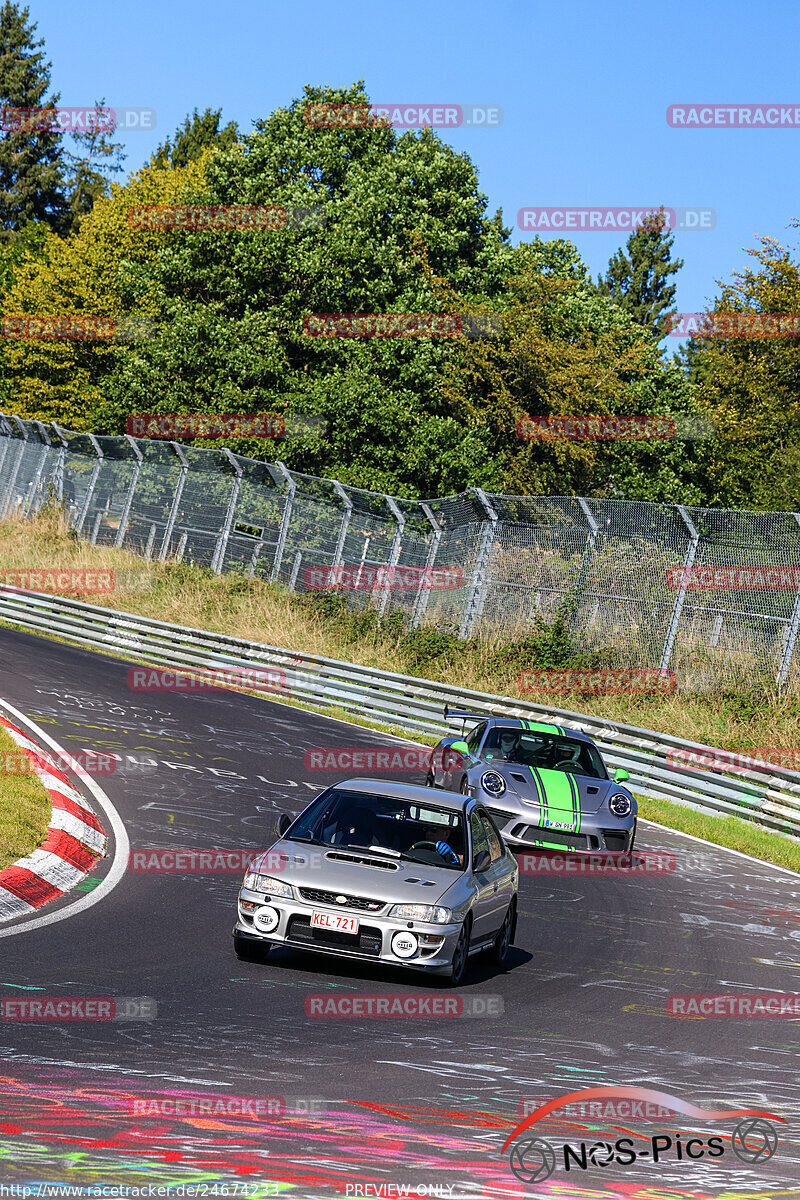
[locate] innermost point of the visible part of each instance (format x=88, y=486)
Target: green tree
x=400, y=213
x=198, y=133
x=31, y=165
x=89, y=170
x=565, y=352
x=751, y=385
x=639, y=280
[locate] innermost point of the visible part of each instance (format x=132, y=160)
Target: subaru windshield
x=349, y=820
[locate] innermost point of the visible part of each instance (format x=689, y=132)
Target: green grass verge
x=724, y=831
x=24, y=804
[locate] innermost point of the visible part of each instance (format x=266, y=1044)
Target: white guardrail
x=767, y=796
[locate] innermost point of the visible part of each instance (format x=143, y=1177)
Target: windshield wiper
x=373, y=850
x=299, y=837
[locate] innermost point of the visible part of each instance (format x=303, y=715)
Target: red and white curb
x=74, y=844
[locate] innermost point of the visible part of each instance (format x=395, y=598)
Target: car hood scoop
x=362, y=860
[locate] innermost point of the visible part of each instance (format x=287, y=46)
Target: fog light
x=405, y=945
x=266, y=919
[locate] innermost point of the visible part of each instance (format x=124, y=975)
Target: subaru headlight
x=493, y=783
x=263, y=883
x=431, y=913
x=620, y=804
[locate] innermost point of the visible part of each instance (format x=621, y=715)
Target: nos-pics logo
x=754, y=1139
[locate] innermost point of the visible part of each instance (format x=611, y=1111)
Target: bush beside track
x=25, y=806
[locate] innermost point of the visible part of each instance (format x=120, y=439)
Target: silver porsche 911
x=546, y=786
x=387, y=872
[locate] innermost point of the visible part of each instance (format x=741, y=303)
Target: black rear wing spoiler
x=461, y=714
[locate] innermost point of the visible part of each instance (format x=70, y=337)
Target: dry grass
x=230, y=604
x=24, y=804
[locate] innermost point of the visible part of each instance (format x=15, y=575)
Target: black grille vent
x=366, y=941
x=362, y=903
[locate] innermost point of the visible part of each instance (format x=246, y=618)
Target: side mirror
x=283, y=824
x=620, y=775
x=481, y=862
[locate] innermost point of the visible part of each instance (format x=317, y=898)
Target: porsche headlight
x=263, y=883
x=493, y=783
x=620, y=804
x=422, y=912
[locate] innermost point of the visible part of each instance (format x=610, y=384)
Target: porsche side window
x=492, y=837
x=474, y=739
x=479, y=840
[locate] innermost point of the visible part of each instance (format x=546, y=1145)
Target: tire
x=460, y=960
x=464, y=786
x=249, y=951
x=633, y=835
x=429, y=780
x=505, y=934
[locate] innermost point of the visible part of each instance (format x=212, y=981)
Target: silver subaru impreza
x=386, y=872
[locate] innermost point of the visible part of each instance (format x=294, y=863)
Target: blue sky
x=584, y=90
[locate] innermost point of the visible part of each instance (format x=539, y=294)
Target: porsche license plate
x=569, y=825
x=337, y=921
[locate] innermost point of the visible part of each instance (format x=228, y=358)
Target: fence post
x=677, y=608
x=791, y=637
x=394, y=554
x=227, y=525
x=87, y=499
x=177, y=450
x=37, y=479
x=126, y=508
x=424, y=593
x=4, y=508
x=291, y=488
x=5, y=439
x=338, y=553
x=477, y=596
x=61, y=464
x=588, y=550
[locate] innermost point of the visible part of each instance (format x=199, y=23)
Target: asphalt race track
x=363, y=1103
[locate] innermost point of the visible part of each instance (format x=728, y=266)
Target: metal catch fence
x=708, y=593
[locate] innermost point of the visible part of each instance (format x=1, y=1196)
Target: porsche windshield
x=423, y=833
x=531, y=748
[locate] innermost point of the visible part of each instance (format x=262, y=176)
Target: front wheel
x=458, y=964
x=429, y=780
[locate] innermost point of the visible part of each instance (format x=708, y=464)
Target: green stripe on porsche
x=541, y=793
x=538, y=727
x=559, y=791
